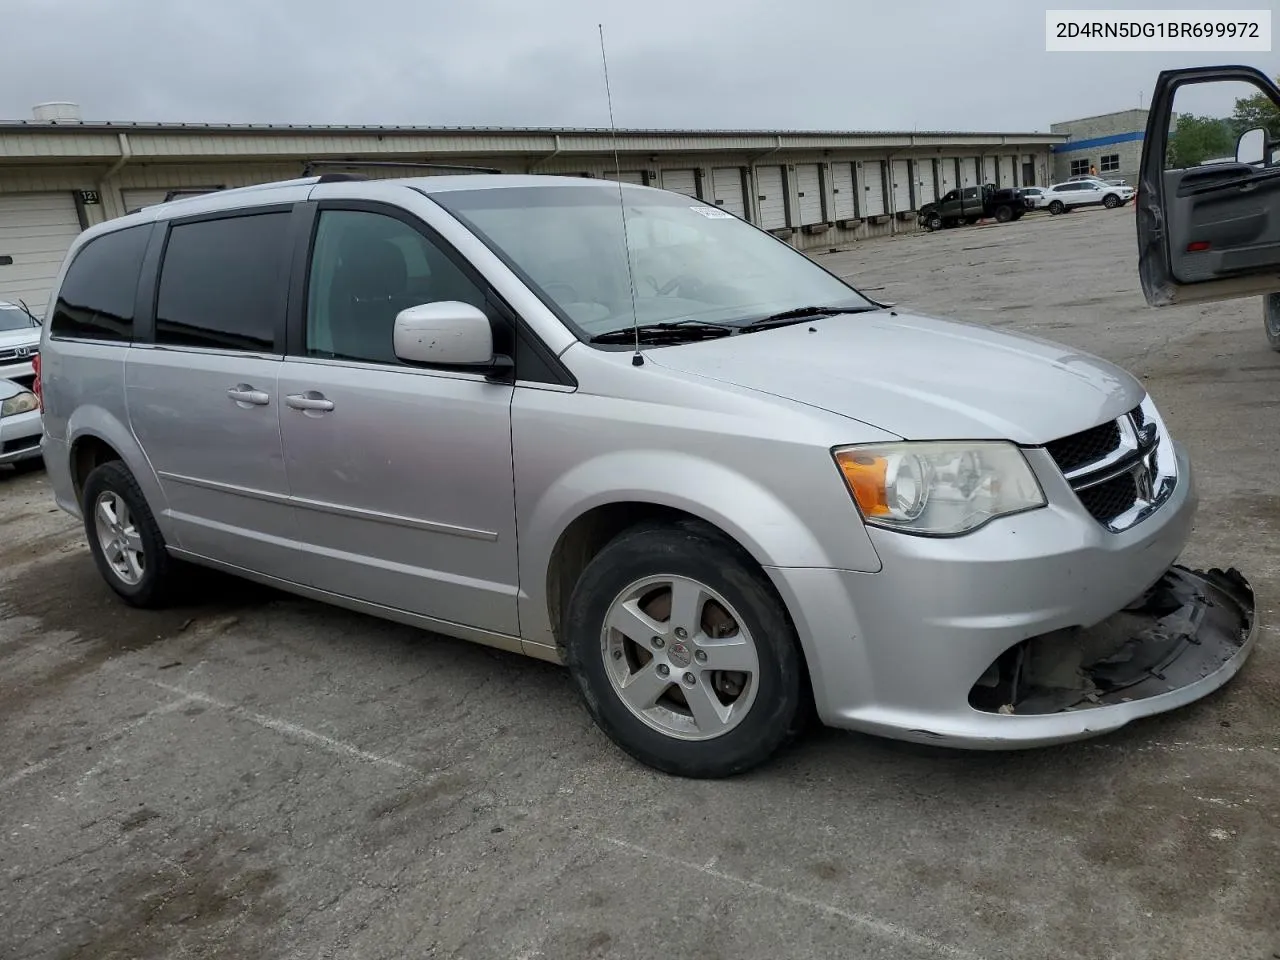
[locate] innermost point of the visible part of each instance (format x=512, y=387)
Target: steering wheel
x=679, y=283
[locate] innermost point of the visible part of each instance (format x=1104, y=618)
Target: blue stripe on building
x=1073, y=145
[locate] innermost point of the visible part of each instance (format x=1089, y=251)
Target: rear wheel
x=683, y=653
x=1004, y=213
x=1057, y=207
x=1271, y=319
x=124, y=539
x=1111, y=201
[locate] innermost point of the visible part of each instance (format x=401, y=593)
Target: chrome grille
x=18, y=353
x=1114, y=469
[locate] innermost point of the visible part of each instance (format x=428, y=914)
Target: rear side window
x=97, y=295
x=222, y=281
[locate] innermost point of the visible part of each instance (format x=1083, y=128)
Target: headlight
x=938, y=488
x=18, y=403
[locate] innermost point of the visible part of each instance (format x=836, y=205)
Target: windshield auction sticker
x=1118, y=31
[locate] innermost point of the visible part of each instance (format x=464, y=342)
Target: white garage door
x=901, y=170
x=35, y=231
x=809, y=193
x=949, y=181
x=969, y=171
x=1007, y=176
x=773, y=200
x=873, y=188
x=843, y=197
x=988, y=169
x=926, y=188
x=626, y=176
x=681, y=181
x=726, y=190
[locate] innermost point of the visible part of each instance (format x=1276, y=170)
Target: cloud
x=823, y=64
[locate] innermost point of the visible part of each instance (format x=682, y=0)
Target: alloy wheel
x=680, y=658
x=119, y=538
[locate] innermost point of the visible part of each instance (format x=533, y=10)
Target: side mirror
x=447, y=333
x=1252, y=146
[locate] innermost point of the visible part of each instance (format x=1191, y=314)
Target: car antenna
x=637, y=358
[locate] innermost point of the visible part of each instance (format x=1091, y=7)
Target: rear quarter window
x=222, y=282
x=96, y=299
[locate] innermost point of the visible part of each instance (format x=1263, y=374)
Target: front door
x=401, y=476
x=203, y=397
x=1209, y=194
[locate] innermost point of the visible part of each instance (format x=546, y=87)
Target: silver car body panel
x=19, y=432
x=450, y=519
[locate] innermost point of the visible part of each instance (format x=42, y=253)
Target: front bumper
x=20, y=437
x=899, y=652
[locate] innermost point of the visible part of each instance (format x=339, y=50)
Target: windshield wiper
x=676, y=329
x=804, y=313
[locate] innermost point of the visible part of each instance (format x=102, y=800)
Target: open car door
x=1211, y=231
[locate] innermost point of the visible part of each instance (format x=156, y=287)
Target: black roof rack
x=311, y=165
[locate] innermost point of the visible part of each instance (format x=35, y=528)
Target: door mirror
x=448, y=333
x=1251, y=148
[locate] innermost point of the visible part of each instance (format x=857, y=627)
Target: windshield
x=691, y=261
x=12, y=318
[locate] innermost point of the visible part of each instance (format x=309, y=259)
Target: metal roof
x=100, y=125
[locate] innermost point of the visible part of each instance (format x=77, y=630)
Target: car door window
x=365, y=268
x=222, y=283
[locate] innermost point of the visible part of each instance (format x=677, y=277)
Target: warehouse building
x=60, y=174
x=1108, y=146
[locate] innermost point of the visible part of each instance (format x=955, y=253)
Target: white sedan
x=1062, y=197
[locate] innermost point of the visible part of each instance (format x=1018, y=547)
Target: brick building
x=1110, y=143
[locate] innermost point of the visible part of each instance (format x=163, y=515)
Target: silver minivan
x=621, y=429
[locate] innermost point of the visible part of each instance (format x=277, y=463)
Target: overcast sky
x=817, y=64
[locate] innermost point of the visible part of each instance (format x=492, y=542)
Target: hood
x=10, y=389
x=29, y=337
x=919, y=377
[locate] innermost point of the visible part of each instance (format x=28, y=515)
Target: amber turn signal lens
x=865, y=476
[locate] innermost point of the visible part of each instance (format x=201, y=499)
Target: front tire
x=1111, y=201
x=683, y=652
x=124, y=539
x=934, y=222
x=1271, y=319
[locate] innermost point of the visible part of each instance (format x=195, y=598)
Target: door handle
x=311, y=400
x=244, y=393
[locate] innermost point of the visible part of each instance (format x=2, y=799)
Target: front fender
x=755, y=516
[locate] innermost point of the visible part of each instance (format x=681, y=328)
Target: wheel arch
x=95, y=436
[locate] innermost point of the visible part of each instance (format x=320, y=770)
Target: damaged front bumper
x=1184, y=637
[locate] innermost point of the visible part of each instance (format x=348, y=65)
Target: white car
x=21, y=425
x=19, y=343
x=1037, y=197
x=1062, y=197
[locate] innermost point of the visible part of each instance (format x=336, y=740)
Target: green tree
x=1258, y=110
x=1197, y=139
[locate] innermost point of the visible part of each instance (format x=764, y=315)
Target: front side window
x=96, y=299
x=1079, y=168
x=689, y=261
x=366, y=268
x=221, y=283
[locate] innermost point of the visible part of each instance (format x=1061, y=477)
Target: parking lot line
x=289, y=729
x=882, y=928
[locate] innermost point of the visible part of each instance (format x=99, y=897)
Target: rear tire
x=649, y=619
x=1004, y=213
x=124, y=539
x=1271, y=319
x=1057, y=207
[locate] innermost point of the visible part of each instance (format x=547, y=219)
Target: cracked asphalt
x=257, y=776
